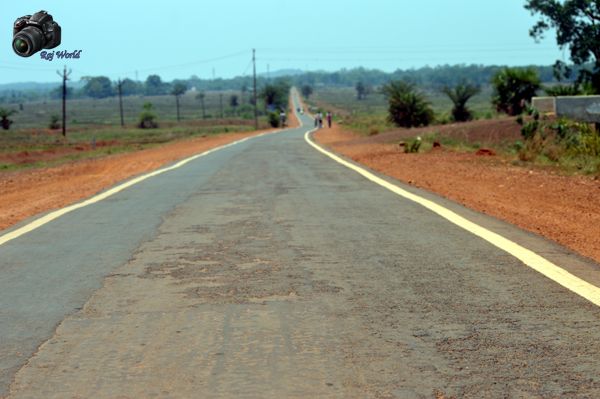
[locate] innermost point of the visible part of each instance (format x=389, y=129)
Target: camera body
x=31, y=33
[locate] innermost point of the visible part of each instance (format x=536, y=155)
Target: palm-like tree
x=4, y=115
x=407, y=107
x=178, y=90
x=201, y=96
x=460, y=95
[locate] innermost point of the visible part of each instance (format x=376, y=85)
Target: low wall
x=545, y=105
x=579, y=108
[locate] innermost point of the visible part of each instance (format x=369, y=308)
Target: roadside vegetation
x=28, y=148
x=545, y=141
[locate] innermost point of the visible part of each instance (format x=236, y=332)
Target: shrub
x=572, y=144
x=147, y=117
x=563, y=90
x=407, y=107
x=513, y=87
x=413, y=146
x=274, y=119
x=529, y=129
x=54, y=122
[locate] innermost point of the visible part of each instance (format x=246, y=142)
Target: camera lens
x=28, y=41
x=21, y=46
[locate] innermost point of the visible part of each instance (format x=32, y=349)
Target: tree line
x=426, y=77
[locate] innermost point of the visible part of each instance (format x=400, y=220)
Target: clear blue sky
x=180, y=38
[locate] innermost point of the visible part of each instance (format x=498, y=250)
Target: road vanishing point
x=268, y=269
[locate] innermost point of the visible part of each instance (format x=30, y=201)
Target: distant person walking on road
x=320, y=118
x=282, y=118
x=329, y=119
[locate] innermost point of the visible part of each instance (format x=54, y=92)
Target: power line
x=198, y=62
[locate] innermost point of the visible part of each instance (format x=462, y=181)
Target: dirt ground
x=565, y=209
x=484, y=132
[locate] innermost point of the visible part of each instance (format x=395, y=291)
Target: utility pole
x=120, y=88
x=255, y=95
x=65, y=77
x=221, y=104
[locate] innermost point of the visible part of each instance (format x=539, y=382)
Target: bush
x=513, y=88
x=571, y=144
x=407, y=107
x=563, y=90
x=413, y=146
x=54, y=122
x=274, y=119
x=529, y=129
x=147, y=117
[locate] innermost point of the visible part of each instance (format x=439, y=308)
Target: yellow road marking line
x=104, y=195
x=528, y=257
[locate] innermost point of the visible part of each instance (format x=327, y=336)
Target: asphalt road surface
x=266, y=270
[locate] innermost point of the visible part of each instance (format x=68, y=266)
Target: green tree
x=361, y=90
x=513, y=87
x=460, y=95
x=4, y=115
x=577, y=26
x=57, y=92
x=269, y=93
x=178, y=90
x=154, y=86
x=307, y=91
x=201, y=97
x=130, y=87
x=407, y=107
x=97, y=87
x=276, y=95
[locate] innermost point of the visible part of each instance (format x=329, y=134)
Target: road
x=266, y=270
